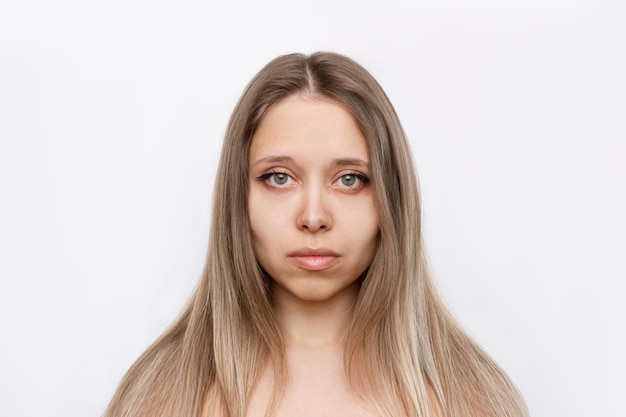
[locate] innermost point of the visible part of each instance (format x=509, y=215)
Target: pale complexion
x=315, y=232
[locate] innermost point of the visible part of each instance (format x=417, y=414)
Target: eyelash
x=362, y=178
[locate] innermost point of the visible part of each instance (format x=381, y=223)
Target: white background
x=111, y=119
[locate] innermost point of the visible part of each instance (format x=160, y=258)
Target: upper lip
x=313, y=252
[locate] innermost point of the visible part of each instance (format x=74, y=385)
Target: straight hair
x=410, y=355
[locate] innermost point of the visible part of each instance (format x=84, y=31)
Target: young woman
x=315, y=299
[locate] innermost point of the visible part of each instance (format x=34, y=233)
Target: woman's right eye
x=277, y=179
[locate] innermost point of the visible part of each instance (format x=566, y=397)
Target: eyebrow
x=337, y=162
x=350, y=162
x=274, y=159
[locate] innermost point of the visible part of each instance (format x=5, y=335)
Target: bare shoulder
x=211, y=407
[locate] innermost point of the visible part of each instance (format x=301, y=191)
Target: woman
x=315, y=298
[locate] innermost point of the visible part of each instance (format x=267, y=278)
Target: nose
x=314, y=214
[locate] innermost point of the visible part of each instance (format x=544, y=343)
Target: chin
x=317, y=291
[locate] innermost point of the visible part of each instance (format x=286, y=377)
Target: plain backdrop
x=111, y=120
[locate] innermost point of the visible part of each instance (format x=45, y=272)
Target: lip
x=314, y=259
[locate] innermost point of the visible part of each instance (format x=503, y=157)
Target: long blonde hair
x=408, y=350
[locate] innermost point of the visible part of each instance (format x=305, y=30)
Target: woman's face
x=311, y=207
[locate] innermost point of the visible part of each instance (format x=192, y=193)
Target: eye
x=352, y=181
x=276, y=179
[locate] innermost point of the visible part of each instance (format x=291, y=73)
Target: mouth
x=314, y=259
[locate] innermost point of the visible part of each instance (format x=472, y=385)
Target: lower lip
x=314, y=263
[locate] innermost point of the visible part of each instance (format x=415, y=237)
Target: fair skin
x=315, y=231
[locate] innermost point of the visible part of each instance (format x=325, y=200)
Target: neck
x=313, y=324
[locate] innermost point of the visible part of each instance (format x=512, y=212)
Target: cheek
x=362, y=218
x=265, y=217
x=371, y=237
x=362, y=227
x=255, y=218
x=371, y=229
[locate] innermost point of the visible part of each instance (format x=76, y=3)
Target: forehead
x=310, y=128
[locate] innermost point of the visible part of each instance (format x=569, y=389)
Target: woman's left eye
x=352, y=181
